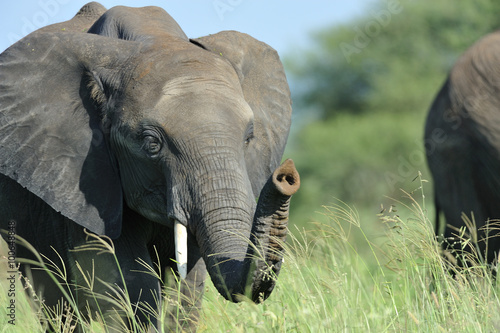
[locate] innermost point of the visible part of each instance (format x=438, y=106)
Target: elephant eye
x=249, y=135
x=151, y=145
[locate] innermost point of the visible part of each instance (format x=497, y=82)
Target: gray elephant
x=116, y=124
x=462, y=139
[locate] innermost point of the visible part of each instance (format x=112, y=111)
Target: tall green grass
x=343, y=276
x=330, y=284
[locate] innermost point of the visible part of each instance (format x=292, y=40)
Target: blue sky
x=285, y=25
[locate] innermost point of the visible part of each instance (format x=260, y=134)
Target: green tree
x=370, y=83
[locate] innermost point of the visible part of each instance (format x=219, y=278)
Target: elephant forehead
x=198, y=97
x=198, y=84
x=199, y=66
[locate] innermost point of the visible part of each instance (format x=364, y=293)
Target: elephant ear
x=265, y=89
x=52, y=136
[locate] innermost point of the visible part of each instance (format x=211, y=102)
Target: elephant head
x=188, y=133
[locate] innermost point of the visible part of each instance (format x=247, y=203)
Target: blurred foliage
x=361, y=94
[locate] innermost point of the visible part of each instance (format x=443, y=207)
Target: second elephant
x=462, y=140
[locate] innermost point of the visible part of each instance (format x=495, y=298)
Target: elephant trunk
x=270, y=229
x=250, y=266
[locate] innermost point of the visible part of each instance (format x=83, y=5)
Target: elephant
x=116, y=126
x=462, y=142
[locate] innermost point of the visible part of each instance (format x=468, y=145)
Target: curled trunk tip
x=286, y=178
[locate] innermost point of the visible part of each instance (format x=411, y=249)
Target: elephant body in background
x=462, y=140
x=116, y=124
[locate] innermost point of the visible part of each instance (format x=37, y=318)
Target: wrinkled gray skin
x=462, y=139
x=131, y=126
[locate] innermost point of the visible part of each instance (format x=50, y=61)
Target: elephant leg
x=458, y=197
x=462, y=196
x=192, y=289
x=183, y=302
x=30, y=218
x=115, y=279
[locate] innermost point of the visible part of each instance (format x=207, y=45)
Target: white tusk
x=181, y=253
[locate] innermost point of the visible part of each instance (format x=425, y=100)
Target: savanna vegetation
x=362, y=256
x=361, y=94
x=328, y=284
